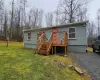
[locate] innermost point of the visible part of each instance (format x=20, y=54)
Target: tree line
x=16, y=18
x=93, y=28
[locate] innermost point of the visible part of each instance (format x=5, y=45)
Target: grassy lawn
x=90, y=49
x=17, y=63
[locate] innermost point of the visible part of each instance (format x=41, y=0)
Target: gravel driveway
x=90, y=62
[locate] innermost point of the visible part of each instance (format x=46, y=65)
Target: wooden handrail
x=40, y=45
x=49, y=47
x=50, y=37
x=40, y=41
x=49, y=43
x=40, y=37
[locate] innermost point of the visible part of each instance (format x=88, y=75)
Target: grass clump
x=89, y=49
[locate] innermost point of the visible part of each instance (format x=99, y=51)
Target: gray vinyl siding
x=32, y=42
x=75, y=45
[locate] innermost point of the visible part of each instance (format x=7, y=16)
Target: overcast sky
x=50, y=5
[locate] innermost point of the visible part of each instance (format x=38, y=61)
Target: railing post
x=66, y=38
x=40, y=40
x=49, y=44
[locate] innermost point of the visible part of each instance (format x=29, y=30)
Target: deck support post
x=55, y=50
x=52, y=49
x=65, y=50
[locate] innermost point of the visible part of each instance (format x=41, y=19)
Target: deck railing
x=49, y=44
x=62, y=37
x=40, y=41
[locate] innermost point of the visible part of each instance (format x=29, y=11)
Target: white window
x=29, y=36
x=72, y=33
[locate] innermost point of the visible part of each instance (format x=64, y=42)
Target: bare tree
x=35, y=18
x=12, y=19
x=68, y=9
x=40, y=18
x=16, y=21
x=49, y=19
x=6, y=24
x=22, y=8
x=81, y=14
x=91, y=30
x=57, y=17
x=1, y=15
x=28, y=26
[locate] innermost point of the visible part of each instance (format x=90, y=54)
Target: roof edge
x=69, y=24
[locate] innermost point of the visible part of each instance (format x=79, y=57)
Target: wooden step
x=44, y=45
x=43, y=51
x=43, y=48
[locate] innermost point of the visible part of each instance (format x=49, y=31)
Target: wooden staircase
x=43, y=49
x=43, y=46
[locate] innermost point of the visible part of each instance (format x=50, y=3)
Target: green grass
x=90, y=49
x=17, y=63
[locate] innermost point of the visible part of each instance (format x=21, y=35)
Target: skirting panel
x=77, y=48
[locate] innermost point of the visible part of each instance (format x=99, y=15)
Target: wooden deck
x=56, y=39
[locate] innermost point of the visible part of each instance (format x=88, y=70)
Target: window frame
x=28, y=36
x=69, y=33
